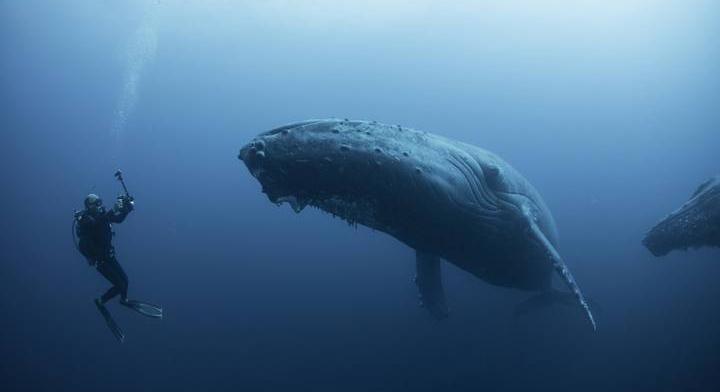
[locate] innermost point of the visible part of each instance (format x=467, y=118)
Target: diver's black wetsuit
x=94, y=231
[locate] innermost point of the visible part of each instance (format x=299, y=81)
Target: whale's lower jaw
x=356, y=211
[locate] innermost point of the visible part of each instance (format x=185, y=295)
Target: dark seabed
x=609, y=108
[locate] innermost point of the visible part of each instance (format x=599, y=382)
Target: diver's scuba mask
x=93, y=203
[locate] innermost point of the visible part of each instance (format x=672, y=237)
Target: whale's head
x=695, y=224
x=300, y=163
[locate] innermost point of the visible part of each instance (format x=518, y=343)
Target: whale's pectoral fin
x=560, y=267
x=429, y=283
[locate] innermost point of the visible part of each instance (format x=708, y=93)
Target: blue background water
x=609, y=108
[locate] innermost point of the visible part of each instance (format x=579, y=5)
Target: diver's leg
x=144, y=308
x=114, y=328
x=109, y=294
x=111, y=270
x=118, y=277
x=122, y=279
x=108, y=274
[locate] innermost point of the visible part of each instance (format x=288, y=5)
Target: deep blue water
x=609, y=108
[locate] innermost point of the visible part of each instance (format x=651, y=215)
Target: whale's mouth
x=352, y=210
x=253, y=154
x=271, y=178
x=296, y=203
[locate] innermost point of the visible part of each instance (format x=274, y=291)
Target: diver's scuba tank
x=76, y=217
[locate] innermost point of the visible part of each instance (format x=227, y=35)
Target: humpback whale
x=446, y=199
x=696, y=223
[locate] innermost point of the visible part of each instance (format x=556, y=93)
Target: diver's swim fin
x=114, y=328
x=146, y=309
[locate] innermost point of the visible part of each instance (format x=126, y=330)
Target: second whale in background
x=696, y=223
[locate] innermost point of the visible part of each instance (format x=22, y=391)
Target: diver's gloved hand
x=125, y=203
x=129, y=203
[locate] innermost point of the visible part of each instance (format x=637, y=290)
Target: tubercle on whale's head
x=696, y=223
x=296, y=163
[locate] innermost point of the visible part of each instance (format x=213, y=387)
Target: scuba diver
x=93, y=228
